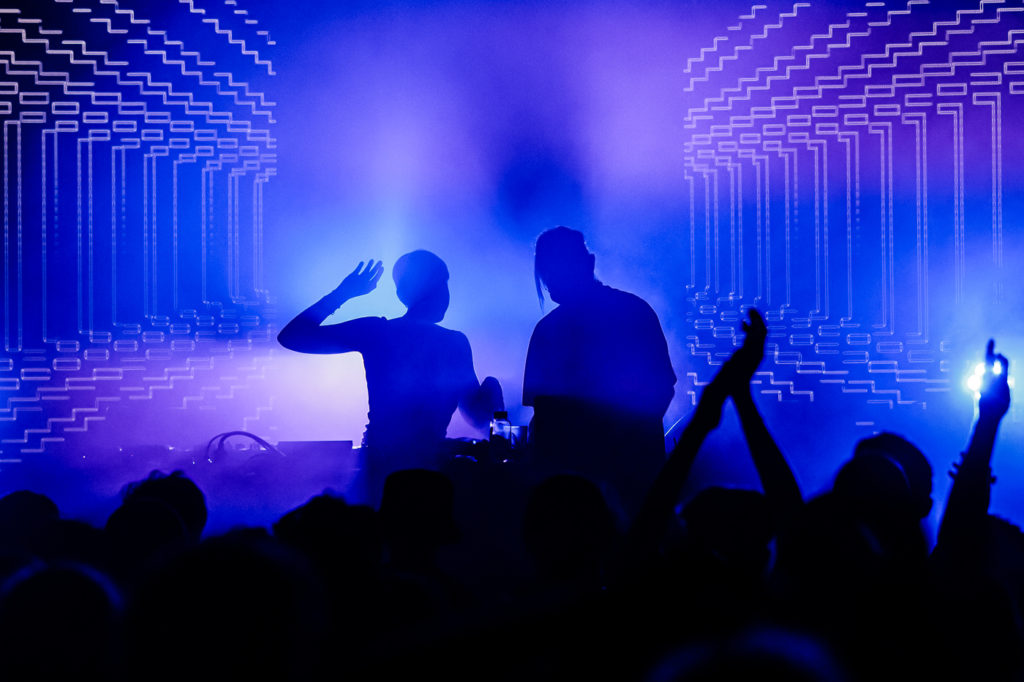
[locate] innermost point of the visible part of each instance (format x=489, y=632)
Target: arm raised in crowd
x=777, y=479
x=967, y=505
x=652, y=522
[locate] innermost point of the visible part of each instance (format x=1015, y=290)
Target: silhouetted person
x=236, y=607
x=417, y=372
x=905, y=455
x=24, y=515
x=177, y=491
x=876, y=491
x=967, y=505
x=416, y=518
x=598, y=374
x=59, y=622
x=974, y=554
x=568, y=531
x=342, y=541
x=734, y=527
x=141, y=532
x=724, y=552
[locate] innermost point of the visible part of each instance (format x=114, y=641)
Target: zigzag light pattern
x=135, y=156
x=845, y=168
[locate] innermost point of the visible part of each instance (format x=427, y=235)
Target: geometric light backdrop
x=849, y=167
x=852, y=170
x=135, y=155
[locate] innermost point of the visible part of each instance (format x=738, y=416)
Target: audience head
x=141, y=531
x=827, y=554
x=340, y=539
x=733, y=525
x=562, y=264
x=69, y=540
x=876, y=491
x=417, y=512
x=874, y=481
x=24, y=516
x=235, y=607
x=905, y=455
x=568, y=529
x=421, y=281
x=178, y=492
x=59, y=622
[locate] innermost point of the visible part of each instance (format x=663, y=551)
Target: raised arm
x=653, y=520
x=306, y=334
x=967, y=505
x=777, y=479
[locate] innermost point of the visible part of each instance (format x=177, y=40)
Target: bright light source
x=974, y=381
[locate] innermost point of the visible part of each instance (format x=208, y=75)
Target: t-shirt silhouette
x=416, y=375
x=599, y=377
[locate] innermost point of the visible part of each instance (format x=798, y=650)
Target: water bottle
x=501, y=437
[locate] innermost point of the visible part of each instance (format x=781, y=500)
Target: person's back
x=606, y=349
x=598, y=374
x=417, y=372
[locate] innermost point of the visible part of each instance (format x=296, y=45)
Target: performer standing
x=417, y=372
x=598, y=374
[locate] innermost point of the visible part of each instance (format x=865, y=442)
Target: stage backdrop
x=181, y=178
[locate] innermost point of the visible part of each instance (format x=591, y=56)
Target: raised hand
x=733, y=378
x=361, y=281
x=994, y=400
x=748, y=358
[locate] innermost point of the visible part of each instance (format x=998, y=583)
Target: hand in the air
x=735, y=374
x=748, y=358
x=362, y=280
x=994, y=400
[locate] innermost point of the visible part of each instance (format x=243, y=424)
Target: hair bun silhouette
x=560, y=250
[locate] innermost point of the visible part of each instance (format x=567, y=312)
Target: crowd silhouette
x=481, y=570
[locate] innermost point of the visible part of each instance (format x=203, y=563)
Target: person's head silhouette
x=562, y=264
x=421, y=279
x=906, y=456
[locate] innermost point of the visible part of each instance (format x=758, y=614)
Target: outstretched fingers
x=376, y=273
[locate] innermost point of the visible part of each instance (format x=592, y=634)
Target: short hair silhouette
x=909, y=458
x=24, y=515
x=417, y=506
x=417, y=275
x=177, y=491
x=59, y=622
